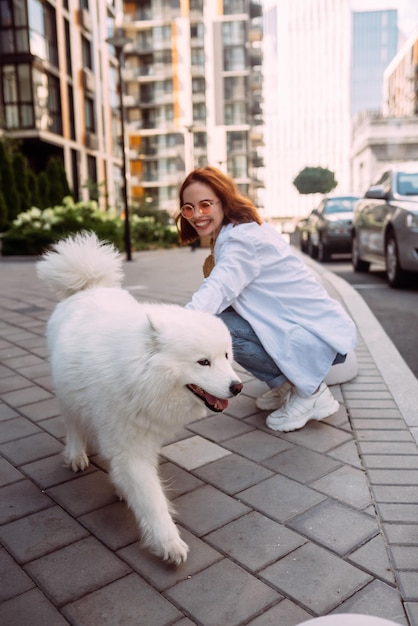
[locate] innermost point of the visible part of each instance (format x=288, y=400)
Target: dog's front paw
x=176, y=552
x=78, y=463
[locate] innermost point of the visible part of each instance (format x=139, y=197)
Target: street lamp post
x=119, y=42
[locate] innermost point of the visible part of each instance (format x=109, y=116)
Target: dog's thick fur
x=128, y=375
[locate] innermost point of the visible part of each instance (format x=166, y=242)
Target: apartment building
x=192, y=95
x=58, y=90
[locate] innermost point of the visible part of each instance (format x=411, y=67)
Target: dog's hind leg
x=75, y=454
x=138, y=482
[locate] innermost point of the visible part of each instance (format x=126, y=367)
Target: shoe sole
x=297, y=424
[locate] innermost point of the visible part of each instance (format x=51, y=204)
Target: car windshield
x=407, y=183
x=340, y=205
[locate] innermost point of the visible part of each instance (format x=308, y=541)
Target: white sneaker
x=298, y=411
x=274, y=398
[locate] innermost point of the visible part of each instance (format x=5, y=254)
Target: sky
x=407, y=11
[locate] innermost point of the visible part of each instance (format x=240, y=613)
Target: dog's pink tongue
x=218, y=403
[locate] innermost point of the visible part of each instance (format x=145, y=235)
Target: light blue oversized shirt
x=299, y=325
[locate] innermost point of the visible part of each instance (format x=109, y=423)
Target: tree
x=57, y=182
x=33, y=189
x=8, y=183
x=43, y=191
x=21, y=177
x=315, y=180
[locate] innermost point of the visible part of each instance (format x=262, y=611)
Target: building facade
x=192, y=94
x=306, y=98
x=58, y=84
x=191, y=88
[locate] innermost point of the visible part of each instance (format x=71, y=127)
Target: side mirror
x=377, y=192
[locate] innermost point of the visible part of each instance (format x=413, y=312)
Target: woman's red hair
x=237, y=208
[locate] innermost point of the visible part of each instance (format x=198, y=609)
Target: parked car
x=329, y=227
x=385, y=224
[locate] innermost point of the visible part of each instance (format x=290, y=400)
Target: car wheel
x=312, y=250
x=323, y=252
x=358, y=264
x=395, y=275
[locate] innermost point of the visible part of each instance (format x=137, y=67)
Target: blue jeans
x=249, y=352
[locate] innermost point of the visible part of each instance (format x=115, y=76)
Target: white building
x=307, y=46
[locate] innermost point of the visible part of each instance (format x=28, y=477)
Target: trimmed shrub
x=34, y=231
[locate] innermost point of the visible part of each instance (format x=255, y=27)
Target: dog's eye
x=226, y=355
x=204, y=362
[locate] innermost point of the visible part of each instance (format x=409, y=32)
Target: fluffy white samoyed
x=128, y=375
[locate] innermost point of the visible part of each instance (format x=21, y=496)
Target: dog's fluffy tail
x=80, y=262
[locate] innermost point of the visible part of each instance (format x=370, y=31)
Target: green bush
x=34, y=231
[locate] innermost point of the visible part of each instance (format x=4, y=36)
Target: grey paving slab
x=377, y=599
x=219, y=428
x=201, y=555
x=373, y=557
x=13, y=579
x=347, y=484
x=26, y=449
x=82, y=567
x=257, y=445
x=335, y=526
x=8, y=473
x=206, y=509
x=301, y=464
x=31, y=608
x=232, y=473
x=17, y=428
x=85, y=493
x=20, y=499
x=223, y=594
x=114, y=525
x=315, y=578
x=285, y=612
x=40, y=533
x=280, y=498
x=254, y=541
x=129, y=601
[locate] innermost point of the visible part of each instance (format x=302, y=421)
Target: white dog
x=128, y=375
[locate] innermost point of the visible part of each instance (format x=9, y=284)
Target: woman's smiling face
x=211, y=223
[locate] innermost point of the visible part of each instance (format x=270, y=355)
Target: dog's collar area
x=213, y=404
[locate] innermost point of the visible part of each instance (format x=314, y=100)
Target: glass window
x=234, y=59
x=5, y=13
x=89, y=115
x=233, y=33
x=17, y=95
x=199, y=112
x=86, y=53
x=232, y=7
x=236, y=141
x=235, y=113
x=235, y=88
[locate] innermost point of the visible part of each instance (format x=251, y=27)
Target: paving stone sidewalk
x=281, y=527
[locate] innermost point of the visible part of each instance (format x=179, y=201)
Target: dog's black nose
x=235, y=388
